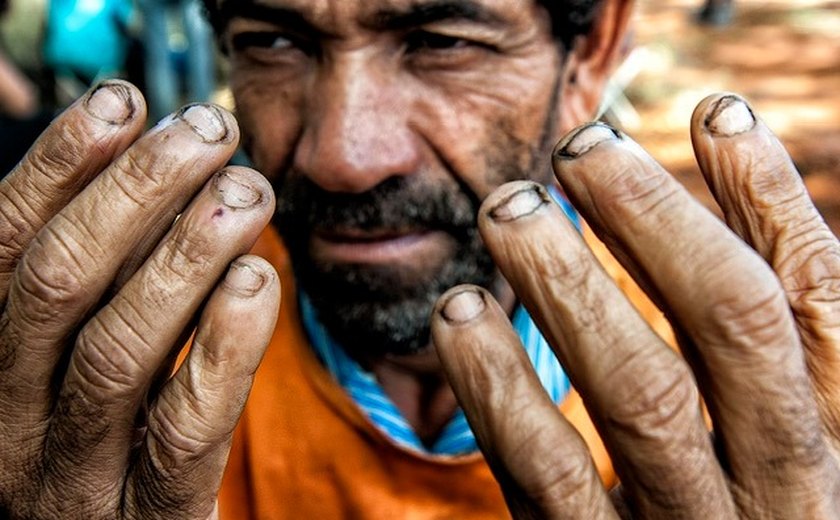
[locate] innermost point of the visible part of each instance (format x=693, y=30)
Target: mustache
x=395, y=204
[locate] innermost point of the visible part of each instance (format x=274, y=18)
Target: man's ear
x=590, y=62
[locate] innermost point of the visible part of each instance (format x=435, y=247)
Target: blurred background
x=783, y=56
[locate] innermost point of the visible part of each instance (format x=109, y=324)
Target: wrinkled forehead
x=338, y=16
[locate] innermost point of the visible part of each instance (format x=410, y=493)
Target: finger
x=121, y=349
x=726, y=299
x=71, y=262
x=538, y=458
x=639, y=393
x=77, y=146
x=191, y=425
x=765, y=201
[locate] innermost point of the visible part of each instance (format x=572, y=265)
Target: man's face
x=382, y=125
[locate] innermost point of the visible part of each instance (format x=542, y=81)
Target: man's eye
x=429, y=41
x=260, y=40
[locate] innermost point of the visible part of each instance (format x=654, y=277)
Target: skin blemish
x=218, y=213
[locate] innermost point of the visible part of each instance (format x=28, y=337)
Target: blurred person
x=18, y=95
x=715, y=13
x=409, y=145
x=87, y=40
x=165, y=77
x=21, y=120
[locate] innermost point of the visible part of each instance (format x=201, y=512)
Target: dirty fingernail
x=585, y=138
x=463, y=306
x=234, y=191
x=244, y=279
x=207, y=121
x=730, y=116
x=111, y=102
x=520, y=203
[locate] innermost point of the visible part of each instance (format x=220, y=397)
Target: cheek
x=270, y=117
x=492, y=129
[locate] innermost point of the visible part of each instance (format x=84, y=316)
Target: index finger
x=76, y=147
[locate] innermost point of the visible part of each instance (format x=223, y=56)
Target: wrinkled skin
x=759, y=319
x=99, y=287
x=380, y=108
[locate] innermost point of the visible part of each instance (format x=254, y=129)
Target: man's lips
x=377, y=246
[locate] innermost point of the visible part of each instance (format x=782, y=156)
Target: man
x=381, y=125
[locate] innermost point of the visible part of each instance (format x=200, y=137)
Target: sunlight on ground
x=783, y=56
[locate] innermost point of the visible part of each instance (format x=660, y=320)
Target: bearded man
x=408, y=144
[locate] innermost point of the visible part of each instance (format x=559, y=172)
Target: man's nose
x=356, y=133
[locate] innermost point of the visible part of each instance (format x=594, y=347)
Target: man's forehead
x=373, y=12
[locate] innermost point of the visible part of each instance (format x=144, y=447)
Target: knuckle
x=137, y=175
x=636, y=192
x=187, y=255
x=572, y=270
x=172, y=448
x=811, y=275
x=567, y=480
x=19, y=219
x=555, y=476
x=60, y=156
x=781, y=191
x=663, y=396
x=48, y=275
x=156, y=490
x=78, y=425
x=105, y=357
x=751, y=315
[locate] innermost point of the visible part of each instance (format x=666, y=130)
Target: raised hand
x=99, y=289
x=755, y=303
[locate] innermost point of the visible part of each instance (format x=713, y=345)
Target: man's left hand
x=754, y=302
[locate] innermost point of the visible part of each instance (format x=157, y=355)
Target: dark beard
x=373, y=310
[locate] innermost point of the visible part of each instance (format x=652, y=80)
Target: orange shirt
x=304, y=450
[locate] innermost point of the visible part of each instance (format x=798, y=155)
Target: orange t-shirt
x=303, y=449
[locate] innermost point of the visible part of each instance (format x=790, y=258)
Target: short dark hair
x=569, y=18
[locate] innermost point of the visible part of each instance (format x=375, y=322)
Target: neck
x=417, y=384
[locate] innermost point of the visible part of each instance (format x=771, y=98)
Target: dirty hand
x=755, y=304
x=98, y=289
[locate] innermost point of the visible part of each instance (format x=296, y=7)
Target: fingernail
x=520, y=203
x=463, y=306
x=243, y=278
x=730, y=116
x=234, y=191
x=207, y=121
x=111, y=102
x=584, y=139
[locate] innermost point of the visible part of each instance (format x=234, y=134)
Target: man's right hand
x=99, y=289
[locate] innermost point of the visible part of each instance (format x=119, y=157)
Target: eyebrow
x=417, y=14
x=254, y=10
x=424, y=13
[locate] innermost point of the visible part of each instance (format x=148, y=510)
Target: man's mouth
x=386, y=246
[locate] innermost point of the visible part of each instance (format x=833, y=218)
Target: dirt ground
x=783, y=56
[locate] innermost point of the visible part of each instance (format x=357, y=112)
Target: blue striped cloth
x=457, y=437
